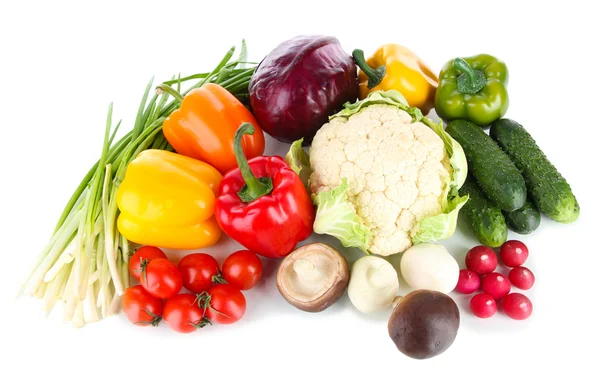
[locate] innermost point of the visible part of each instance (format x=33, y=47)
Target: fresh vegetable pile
x=379, y=176
x=84, y=265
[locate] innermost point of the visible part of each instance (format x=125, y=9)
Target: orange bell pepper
x=204, y=127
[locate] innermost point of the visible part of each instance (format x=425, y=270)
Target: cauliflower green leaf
x=455, y=153
x=298, y=161
x=390, y=97
x=442, y=226
x=336, y=217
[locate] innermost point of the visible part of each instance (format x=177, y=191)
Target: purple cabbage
x=300, y=84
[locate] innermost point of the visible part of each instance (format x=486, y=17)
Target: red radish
x=517, y=306
x=481, y=259
x=514, y=253
x=468, y=282
x=521, y=277
x=496, y=285
x=483, y=305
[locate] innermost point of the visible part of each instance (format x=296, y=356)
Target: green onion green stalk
x=85, y=263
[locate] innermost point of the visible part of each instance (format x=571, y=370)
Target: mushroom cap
x=429, y=266
x=313, y=277
x=373, y=284
x=424, y=323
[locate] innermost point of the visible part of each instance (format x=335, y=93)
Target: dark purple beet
x=300, y=84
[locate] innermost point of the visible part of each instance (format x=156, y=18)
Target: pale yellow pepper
x=167, y=200
x=395, y=67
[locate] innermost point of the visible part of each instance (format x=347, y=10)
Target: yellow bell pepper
x=395, y=67
x=168, y=200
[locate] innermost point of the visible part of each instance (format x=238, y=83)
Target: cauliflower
x=384, y=177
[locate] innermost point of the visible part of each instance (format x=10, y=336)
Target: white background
x=63, y=62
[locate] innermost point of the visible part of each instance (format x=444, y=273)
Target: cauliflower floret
x=397, y=171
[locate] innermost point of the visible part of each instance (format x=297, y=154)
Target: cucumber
x=483, y=218
x=548, y=189
x=524, y=220
x=495, y=173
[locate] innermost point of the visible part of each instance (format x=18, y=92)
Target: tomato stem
x=201, y=323
x=143, y=265
x=204, y=299
x=155, y=319
x=218, y=279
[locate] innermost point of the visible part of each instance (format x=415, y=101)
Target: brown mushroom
x=424, y=323
x=313, y=277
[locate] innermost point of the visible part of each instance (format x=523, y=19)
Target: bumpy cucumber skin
x=547, y=187
x=524, y=220
x=495, y=173
x=483, y=218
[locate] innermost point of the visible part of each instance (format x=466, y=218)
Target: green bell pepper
x=473, y=89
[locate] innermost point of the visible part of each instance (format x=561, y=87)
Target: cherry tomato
x=144, y=254
x=242, y=269
x=140, y=307
x=161, y=278
x=225, y=304
x=182, y=313
x=199, y=272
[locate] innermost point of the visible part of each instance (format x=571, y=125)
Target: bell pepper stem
x=375, y=75
x=169, y=90
x=254, y=187
x=470, y=81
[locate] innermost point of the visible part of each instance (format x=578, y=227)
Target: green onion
x=84, y=264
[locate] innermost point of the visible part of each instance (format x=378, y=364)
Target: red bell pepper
x=269, y=214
